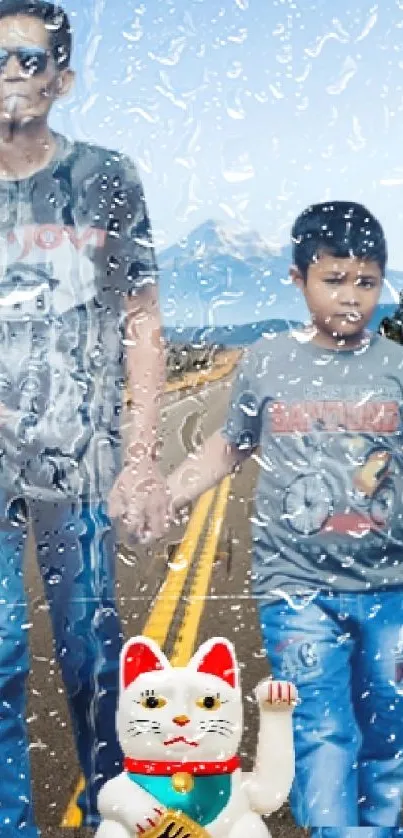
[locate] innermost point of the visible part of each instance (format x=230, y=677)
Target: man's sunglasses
x=32, y=60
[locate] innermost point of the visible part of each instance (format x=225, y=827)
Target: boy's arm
x=227, y=447
x=199, y=472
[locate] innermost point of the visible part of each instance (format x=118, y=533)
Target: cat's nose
x=181, y=720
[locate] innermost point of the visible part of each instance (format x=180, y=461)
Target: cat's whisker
x=138, y=722
x=220, y=729
x=137, y=727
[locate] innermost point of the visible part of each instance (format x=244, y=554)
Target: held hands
x=140, y=497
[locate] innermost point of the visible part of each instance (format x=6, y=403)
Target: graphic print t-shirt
x=74, y=239
x=329, y=501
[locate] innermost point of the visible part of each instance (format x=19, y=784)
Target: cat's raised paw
x=276, y=695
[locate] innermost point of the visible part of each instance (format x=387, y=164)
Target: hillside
x=247, y=333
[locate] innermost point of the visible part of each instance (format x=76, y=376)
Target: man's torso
x=61, y=359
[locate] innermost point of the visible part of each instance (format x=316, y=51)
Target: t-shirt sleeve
x=132, y=253
x=242, y=428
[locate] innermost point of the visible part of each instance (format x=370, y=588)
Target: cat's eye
x=153, y=702
x=209, y=702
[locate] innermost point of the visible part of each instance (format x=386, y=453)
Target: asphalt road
x=229, y=610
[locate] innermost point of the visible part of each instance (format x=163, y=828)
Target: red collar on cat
x=144, y=766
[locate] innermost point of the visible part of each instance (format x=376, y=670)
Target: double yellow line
x=162, y=614
x=187, y=633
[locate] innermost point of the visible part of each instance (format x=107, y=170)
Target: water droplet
x=349, y=70
x=178, y=563
x=113, y=264
x=368, y=26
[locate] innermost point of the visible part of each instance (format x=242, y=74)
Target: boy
x=78, y=308
x=324, y=404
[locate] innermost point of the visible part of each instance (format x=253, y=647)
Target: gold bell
x=182, y=782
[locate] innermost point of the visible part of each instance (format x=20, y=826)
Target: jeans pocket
x=300, y=662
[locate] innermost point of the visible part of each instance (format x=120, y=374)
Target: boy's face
x=27, y=95
x=341, y=294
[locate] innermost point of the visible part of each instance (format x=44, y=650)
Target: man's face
x=341, y=294
x=26, y=96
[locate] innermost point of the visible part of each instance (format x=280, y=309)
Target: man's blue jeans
x=345, y=655
x=76, y=557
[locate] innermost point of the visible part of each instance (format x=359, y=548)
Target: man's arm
x=139, y=495
x=145, y=356
x=199, y=472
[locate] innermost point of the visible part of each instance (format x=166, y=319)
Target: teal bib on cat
x=208, y=797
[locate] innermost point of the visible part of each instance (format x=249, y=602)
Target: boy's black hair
x=341, y=228
x=55, y=20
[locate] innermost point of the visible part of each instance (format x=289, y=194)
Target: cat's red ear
x=217, y=657
x=140, y=654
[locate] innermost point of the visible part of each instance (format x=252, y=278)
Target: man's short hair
x=340, y=228
x=55, y=20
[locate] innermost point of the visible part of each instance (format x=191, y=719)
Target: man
x=78, y=311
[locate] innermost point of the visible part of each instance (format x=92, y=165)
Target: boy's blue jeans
x=344, y=652
x=76, y=557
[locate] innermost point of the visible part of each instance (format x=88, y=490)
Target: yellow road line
x=186, y=637
x=160, y=619
x=73, y=815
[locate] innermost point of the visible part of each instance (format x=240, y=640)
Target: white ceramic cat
x=180, y=729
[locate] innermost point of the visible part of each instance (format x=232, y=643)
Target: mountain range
x=245, y=333
x=230, y=285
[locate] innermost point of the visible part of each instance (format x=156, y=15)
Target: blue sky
x=248, y=110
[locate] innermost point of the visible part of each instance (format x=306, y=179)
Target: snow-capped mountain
x=215, y=239
x=219, y=275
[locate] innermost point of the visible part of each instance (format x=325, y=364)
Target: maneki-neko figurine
x=180, y=730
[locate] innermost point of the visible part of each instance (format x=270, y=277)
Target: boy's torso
x=60, y=364
x=329, y=497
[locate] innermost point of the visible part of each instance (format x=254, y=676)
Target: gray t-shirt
x=74, y=240
x=328, y=506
